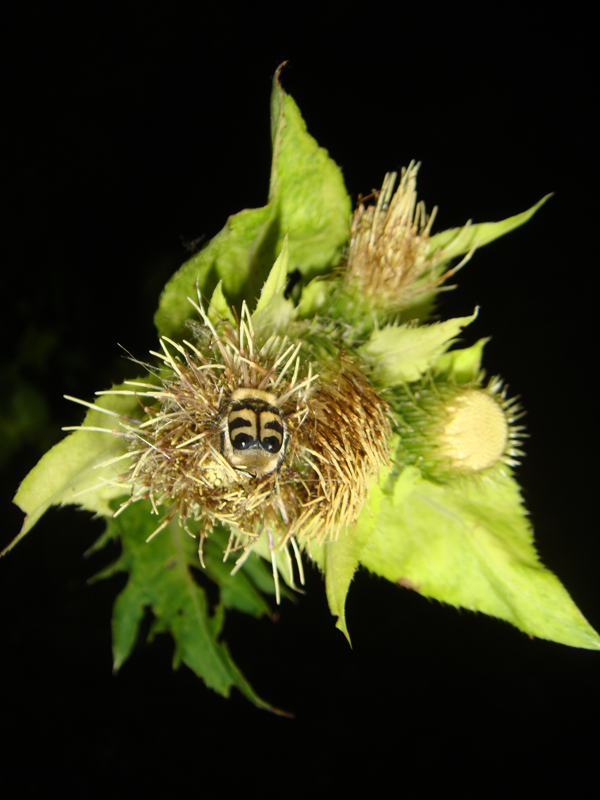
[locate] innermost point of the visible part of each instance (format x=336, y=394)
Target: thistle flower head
x=246, y=434
x=454, y=429
x=388, y=262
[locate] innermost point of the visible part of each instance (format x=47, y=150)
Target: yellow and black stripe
x=255, y=424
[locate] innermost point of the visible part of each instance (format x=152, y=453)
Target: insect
x=254, y=434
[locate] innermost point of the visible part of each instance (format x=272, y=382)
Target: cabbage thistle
x=326, y=422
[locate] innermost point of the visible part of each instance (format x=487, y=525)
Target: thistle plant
x=303, y=409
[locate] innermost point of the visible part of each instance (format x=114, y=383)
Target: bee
x=254, y=434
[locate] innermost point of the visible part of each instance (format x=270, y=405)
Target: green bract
x=457, y=536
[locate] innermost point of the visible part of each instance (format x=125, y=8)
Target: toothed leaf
x=307, y=202
x=469, y=544
x=314, y=206
x=341, y=558
x=161, y=580
x=69, y=472
x=242, y=591
x=240, y=256
x=400, y=354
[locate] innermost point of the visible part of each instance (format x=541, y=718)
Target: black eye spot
x=243, y=441
x=271, y=444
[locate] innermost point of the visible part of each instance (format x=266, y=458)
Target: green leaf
x=307, y=201
x=241, y=591
x=401, y=354
x=273, y=312
x=463, y=365
x=275, y=284
x=470, y=545
x=341, y=558
x=240, y=256
x=341, y=562
x=160, y=579
x=218, y=308
x=314, y=207
x=70, y=471
x=458, y=241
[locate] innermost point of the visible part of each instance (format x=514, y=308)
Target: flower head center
x=475, y=434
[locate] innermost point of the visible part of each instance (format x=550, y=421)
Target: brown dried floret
x=388, y=260
x=344, y=442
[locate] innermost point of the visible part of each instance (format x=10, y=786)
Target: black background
x=133, y=129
